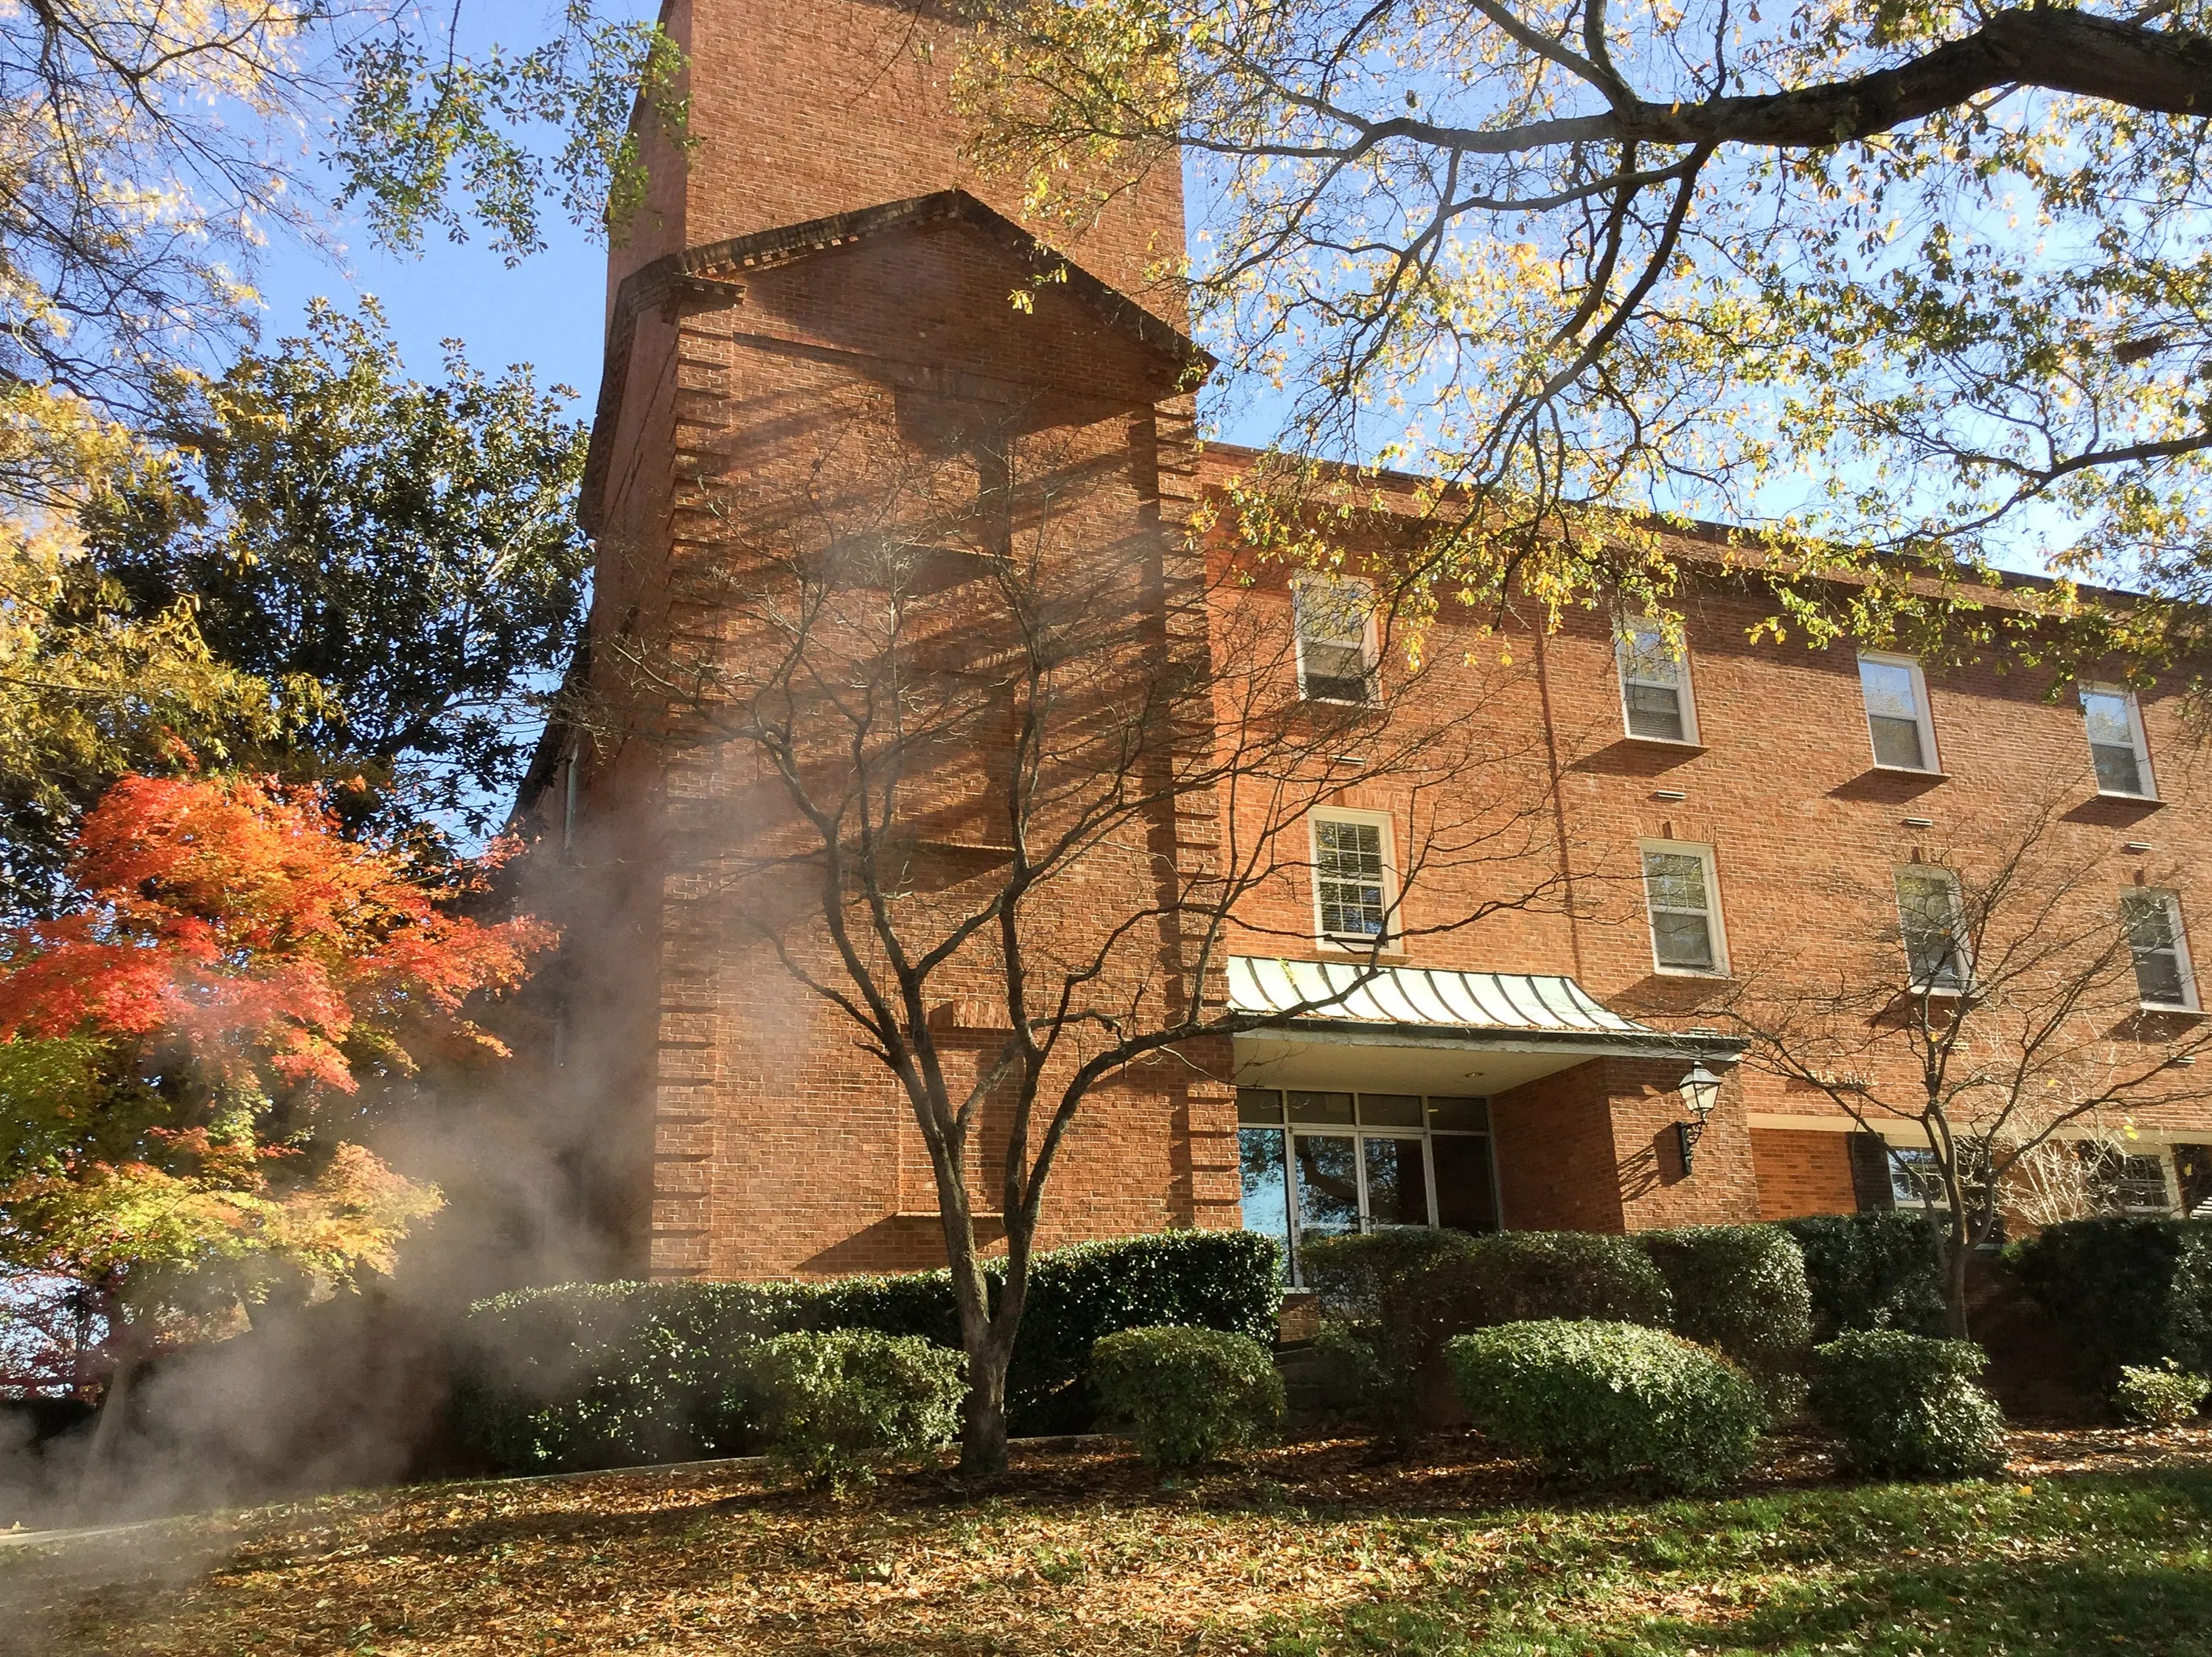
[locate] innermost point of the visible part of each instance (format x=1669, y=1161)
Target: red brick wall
x=1802, y=1172
x=743, y=1132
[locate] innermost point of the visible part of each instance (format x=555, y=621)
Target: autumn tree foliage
x=1917, y=286
x=184, y=1053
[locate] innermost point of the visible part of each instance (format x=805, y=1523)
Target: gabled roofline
x=712, y=269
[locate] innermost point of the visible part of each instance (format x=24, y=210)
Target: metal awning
x=1430, y=1004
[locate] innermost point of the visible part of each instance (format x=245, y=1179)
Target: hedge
x=1908, y=1406
x=835, y=1404
x=1611, y=1401
x=1391, y=1300
x=609, y=1374
x=1742, y=1290
x=1184, y=1396
x=1882, y=1269
x=2134, y=1292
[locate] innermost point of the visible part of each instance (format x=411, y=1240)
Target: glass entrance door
x=1326, y=1164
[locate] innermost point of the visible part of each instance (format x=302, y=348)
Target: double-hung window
x=1655, y=684
x=1934, y=929
x=1682, y=899
x=2117, y=746
x=2153, y=923
x=1335, y=620
x=1896, y=697
x=1354, y=888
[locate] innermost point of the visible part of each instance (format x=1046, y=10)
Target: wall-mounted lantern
x=1701, y=1091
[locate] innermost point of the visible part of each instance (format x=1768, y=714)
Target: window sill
x=1920, y=772
x=1938, y=991
x=1680, y=745
x=1360, y=946
x=1372, y=704
x=2120, y=798
x=1715, y=974
x=2169, y=1009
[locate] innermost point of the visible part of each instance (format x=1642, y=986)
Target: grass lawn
x=2094, y=1543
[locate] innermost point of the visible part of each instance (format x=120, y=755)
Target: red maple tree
x=179, y=1051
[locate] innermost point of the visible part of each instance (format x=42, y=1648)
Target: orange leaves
x=226, y=920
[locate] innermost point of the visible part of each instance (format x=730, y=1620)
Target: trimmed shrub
x=588, y=1376
x=1611, y=1401
x=1742, y=1290
x=834, y=1404
x=2135, y=1292
x=1908, y=1406
x=1882, y=1269
x=1185, y=1395
x=1401, y=1296
x=2165, y=1396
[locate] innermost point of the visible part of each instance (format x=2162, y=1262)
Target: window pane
x=1337, y=672
x=1655, y=711
x=1390, y=1110
x=1466, y=1199
x=1328, y=1186
x=1645, y=657
x=2152, y=940
x=1890, y=690
x=1914, y=1179
x=1684, y=941
x=1893, y=707
x=2106, y=713
x=1929, y=906
x=1469, y=1115
x=2117, y=769
x=1321, y=1107
x=1897, y=742
x=1348, y=874
x=1681, y=924
x=1397, y=1183
x=1259, y=1105
x=1333, y=612
x=1266, y=1196
x=1675, y=880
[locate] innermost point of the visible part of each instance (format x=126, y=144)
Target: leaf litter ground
x=2092, y=1542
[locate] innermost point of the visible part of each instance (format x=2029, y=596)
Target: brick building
x=818, y=302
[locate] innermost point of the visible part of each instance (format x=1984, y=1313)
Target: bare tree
x=1031, y=772
x=2007, y=997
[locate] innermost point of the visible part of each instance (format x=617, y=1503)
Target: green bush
x=1401, y=1295
x=588, y=1376
x=1742, y=1290
x=1185, y=1395
x=1908, y=1406
x=2165, y=1396
x=1882, y=1269
x=834, y=1404
x=1611, y=1401
x=2134, y=1292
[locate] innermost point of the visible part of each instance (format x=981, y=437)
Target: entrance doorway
x=1328, y=1164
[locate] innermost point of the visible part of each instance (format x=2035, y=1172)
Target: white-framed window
x=1682, y=897
x=2117, y=745
x=1896, y=695
x=1655, y=684
x=1335, y=621
x=1934, y=927
x=2152, y=920
x=1355, y=890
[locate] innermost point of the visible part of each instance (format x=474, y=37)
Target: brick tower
x=818, y=295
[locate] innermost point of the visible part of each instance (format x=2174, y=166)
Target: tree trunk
x=1956, y=1253
x=983, y=1426
x=107, y=1425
